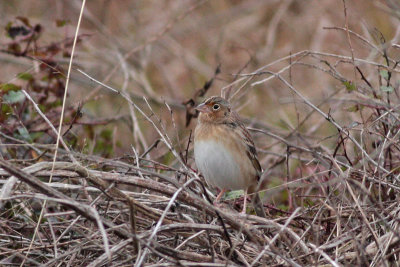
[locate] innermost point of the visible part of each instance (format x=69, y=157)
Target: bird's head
x=214, y=110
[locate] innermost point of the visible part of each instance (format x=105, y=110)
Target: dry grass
x=318, y=85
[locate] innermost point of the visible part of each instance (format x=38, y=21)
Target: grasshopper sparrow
x=224, y=151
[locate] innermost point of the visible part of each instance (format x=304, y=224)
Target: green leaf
x=14, y=97
x=25, y=76
x=349, y=86
x=8, y=27
x=9, y=86
x=62, y=22
x=106, y=134
x=42, y=107
x=387, y=89
x=384, y=74
x=23, y=132
x=354, y=108
x=37, y=135
x=233, y=194
x=5, y=111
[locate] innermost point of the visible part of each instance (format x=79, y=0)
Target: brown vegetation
x=102, y=173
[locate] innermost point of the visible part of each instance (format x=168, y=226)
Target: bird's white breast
x=218, y=165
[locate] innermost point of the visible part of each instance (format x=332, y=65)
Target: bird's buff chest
x=216, y=159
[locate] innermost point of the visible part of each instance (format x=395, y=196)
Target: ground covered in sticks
x=96, y=132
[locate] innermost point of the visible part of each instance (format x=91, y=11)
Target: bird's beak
x=202, y=108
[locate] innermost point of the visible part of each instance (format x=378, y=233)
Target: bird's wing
x=251, y=151
x=250, y=148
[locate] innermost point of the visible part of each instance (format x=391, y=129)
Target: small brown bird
x=224, y=151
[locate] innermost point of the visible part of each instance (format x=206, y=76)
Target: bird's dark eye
x=215, y=107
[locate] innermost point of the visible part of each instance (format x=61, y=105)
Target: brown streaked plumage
x=224, y=151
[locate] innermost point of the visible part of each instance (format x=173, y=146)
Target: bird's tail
x=256, y=201
x=258, y=205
